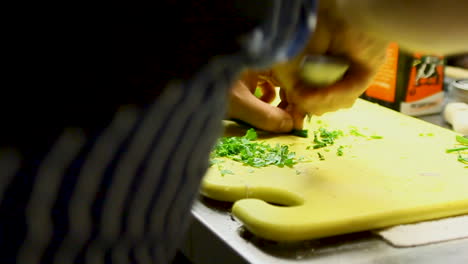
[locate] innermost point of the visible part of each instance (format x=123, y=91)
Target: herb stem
x=462, y=140
x=456, y=149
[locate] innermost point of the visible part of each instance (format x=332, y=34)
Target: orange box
x=410, y=83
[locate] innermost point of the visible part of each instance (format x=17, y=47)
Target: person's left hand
x=258, y=112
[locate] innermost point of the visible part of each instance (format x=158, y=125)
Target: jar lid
x=461, y=84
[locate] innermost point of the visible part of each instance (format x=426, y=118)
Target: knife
x=322, y=70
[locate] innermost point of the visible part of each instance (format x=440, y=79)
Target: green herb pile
x=463, y=142
x=253, y=153
x=324, y=138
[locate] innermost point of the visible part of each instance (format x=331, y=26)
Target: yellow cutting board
x=404, y=177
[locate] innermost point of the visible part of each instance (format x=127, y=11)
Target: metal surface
x=215, y=237
x=436, y=119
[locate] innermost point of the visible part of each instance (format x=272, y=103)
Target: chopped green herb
x=252, y=153
x=321, y=145
x=356, y=133
x=318, y=142
x=319, y=122
x=258, y=92
x=215, y=161
x=308, y=147
x=426, y=134
x=298, y=172
x=300, y=132
x=462, y=140
x=329, y=136
x=324, y=138
x=224, y=172
x=462, y=159
x=321, y=157
x=251, y=134
x=339, y=151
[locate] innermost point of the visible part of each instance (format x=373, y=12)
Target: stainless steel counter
x=436, y=119
x=215, y=237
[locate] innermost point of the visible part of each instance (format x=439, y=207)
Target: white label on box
x=429, y=105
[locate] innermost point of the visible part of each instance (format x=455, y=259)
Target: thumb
x=296, y=114
x=250, y=109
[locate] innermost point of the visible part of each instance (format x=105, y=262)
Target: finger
x=268, y=91
x=284, y=102
x=298, y=117
x=256, y=79
x=283, y=105
x=259, y=114
x=250, y=79
x=298, y=120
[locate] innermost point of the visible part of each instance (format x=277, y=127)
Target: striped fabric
x=124, y=195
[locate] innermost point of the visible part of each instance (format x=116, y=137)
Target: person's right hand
x=335, y=37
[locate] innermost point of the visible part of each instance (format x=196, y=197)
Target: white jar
x=458, y=91
x=456, y=109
